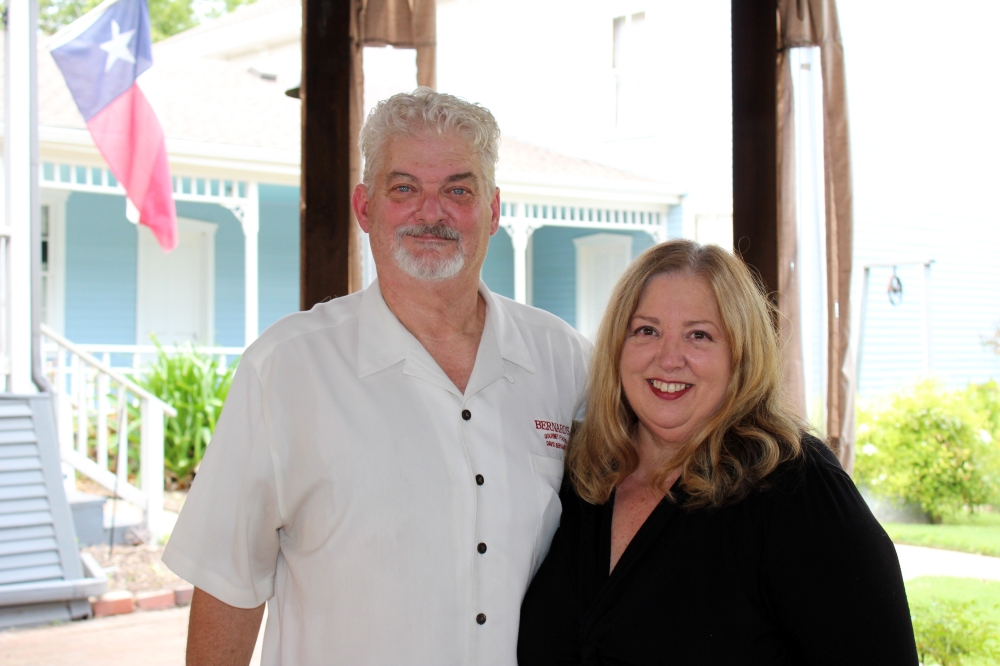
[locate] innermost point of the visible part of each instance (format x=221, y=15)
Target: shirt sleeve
x=830, y=573
x=226, y=540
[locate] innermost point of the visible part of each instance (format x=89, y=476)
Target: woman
x=700, y=524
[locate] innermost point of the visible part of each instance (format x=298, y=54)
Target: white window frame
x=634, y=69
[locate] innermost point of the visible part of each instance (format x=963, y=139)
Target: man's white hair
x=423, y=111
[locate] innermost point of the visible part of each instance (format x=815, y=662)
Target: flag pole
x=22, y=212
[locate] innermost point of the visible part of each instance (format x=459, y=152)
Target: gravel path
x=135, y=568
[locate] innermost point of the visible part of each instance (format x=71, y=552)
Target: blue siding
x=675, y=221
x=498, y=269
x=278, y=253
x=228, y=269
x=101, y=265
x=554, y=267
x=931, y=198
x=101, y=256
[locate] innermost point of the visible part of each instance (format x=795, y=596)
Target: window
x=628, y=62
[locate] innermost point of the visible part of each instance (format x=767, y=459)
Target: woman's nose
x=671, y=354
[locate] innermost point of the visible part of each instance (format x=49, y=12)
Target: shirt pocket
x=548, y=474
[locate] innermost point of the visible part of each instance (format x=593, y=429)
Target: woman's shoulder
x=575, y=509
x=815, y=484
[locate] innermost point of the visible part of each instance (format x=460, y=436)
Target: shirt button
x=481, y=548
x=481, y=619
x=466, y=414
x=480, y=480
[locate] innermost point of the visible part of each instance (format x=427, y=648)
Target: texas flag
x=101, y=54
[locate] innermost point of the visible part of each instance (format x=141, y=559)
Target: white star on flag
x=117, y=46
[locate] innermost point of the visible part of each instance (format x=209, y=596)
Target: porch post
x=520, y=231
x=251, y=227
x=755, y=171
x=21, y=200
x=332, y=95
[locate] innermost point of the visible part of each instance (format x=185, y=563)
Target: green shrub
x=196, y=385
x=928, y=447
x=984, y=400
x=949, y=633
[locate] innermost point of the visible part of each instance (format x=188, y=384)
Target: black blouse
x=799, y=572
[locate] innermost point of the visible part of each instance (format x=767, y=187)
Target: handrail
x=103, y=348
x=106, y=369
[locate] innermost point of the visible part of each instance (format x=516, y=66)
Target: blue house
x=568, y=226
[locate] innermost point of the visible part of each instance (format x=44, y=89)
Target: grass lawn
x=979, y=533
x=983, y=595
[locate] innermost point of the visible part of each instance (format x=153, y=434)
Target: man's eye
x=403, y=188
x=460, y=191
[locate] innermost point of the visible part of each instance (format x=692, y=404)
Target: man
x=386, y=470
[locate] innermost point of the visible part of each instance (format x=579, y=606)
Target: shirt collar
x=383, y=341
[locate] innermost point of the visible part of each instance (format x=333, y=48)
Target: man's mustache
x=436, y=230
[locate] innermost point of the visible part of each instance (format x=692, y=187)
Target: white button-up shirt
x=386, y=517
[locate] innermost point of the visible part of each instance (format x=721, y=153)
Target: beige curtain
x=404, y=24
x=814, y=23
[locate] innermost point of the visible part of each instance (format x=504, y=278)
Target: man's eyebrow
x=468, y=175
x=400, y=174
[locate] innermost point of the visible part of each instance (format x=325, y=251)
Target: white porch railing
x=86, y=418
x=129, y=359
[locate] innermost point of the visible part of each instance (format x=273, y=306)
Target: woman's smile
x=669, y=390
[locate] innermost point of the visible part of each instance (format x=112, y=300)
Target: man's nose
x=430, y=210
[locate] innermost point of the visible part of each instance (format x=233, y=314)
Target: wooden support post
x=330, y=263
x=755, y=170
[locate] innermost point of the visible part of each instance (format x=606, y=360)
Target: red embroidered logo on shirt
x=556, y=434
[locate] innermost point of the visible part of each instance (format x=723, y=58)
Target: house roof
x=204, y=100
x=518, y=156
x=209, y=101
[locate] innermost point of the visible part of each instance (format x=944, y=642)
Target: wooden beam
x=755, y=175
x=329, y=239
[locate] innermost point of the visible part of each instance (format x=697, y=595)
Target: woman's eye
x=645, y=330
x=701, y=335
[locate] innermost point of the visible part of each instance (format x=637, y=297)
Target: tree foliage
x=932, y=448
x=166, y=17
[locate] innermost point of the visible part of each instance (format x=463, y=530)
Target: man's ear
x=495, y=210
x=360, y=201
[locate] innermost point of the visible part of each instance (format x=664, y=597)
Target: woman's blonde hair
x=750, y=434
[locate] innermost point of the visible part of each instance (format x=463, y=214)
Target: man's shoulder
x=321, y=317
x=534, y=321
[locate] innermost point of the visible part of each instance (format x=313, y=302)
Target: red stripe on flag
x=130, y=138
